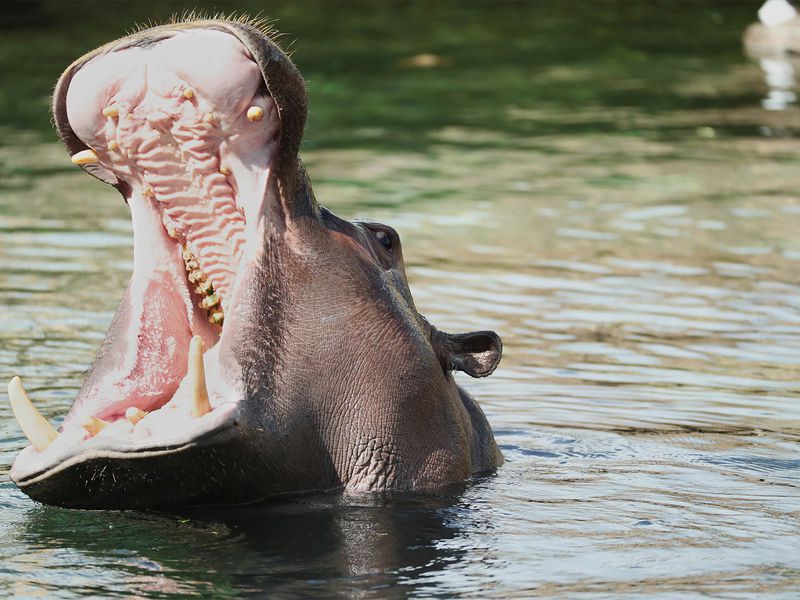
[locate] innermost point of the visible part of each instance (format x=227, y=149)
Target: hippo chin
x=264, y=346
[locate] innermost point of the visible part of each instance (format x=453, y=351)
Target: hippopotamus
x=264, y=346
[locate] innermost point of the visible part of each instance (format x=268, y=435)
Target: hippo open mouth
x=189, y=143
x=222, y=373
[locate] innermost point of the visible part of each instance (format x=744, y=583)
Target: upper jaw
x=283, y=82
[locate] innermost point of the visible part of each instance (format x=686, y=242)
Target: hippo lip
x=32, y=467
x=191, y=149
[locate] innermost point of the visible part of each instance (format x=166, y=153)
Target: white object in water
x=776, y=12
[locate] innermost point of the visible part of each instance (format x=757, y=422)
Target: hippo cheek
x=182, y=120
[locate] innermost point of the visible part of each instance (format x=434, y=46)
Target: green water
x=598, y=181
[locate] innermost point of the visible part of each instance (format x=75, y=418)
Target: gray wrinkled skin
x=346, y=385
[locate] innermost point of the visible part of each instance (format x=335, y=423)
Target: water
x=604, y=184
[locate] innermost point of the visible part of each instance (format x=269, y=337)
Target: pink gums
x=170, y=120
x=160, y=359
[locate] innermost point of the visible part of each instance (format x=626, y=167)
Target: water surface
x=607, y=185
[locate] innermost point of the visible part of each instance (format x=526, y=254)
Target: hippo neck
x=295, y=191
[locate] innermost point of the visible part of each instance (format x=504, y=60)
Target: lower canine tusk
x=35, y=427
x=197, y=378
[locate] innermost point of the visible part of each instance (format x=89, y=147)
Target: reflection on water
x=779, y=76
x=317, y=545
x=601, y=195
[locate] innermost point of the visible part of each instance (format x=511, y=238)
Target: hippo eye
x=384, y=239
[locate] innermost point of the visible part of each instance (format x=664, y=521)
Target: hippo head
x=263, y=346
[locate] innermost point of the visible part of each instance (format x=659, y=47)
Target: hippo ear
x=476, y=354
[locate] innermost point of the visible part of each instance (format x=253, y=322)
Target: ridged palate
x=175, y=150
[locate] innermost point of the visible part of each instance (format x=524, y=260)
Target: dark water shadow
x=317, y=546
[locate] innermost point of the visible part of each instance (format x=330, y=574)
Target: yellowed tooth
x=112, y=145
x=216, y=318
x=94, y=425
x=188, y=93
x=203, y=287
x=197, y=378
x=192, y=264
x=148, y=191
x=35, y=427
x=210, y=118
x=135, y=414
x=85, y=157
x=225, y=170
x=111, y=111
x=196, y=276
x=186, y=253
x=209, y=301
x=255, y=113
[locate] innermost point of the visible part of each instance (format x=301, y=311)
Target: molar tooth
x=188, y=93
x=209, y=118
x=112, y=145
x=197, y=381
x=225, y=170
x=94, y=425
x=204, y=287
x=216, y=318
x=255, y=113
x=111, y=111
x=148, y=191
x=209, y=301
x=186, y=253
x=192, y=265
x=196, y=276
x=85, y=157
x=135, y=414
x=35, y=427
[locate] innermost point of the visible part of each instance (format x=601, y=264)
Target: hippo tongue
x=186, y=126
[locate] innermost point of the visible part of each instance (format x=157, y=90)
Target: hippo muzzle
x=263, y=346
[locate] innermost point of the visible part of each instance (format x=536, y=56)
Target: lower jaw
x=32, y=466
x=174, y=387
x=192, y=412
x=201, y=471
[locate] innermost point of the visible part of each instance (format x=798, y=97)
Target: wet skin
x=264, y=345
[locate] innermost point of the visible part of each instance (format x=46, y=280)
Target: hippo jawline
x=192, y=150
